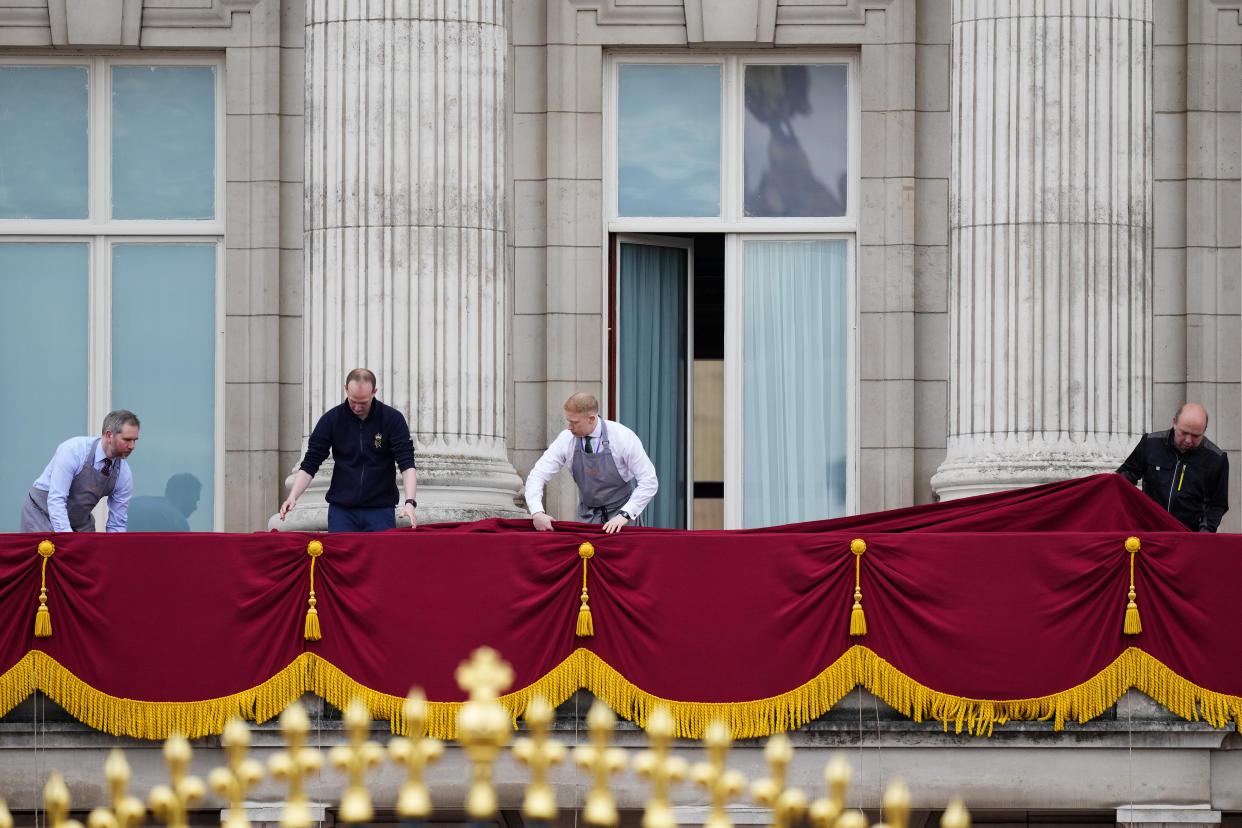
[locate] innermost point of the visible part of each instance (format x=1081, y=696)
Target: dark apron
x=601, y=491
x=89, y=486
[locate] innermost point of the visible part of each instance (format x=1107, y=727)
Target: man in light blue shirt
x=83, y=471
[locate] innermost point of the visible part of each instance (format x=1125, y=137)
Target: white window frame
x=733, y=120
x=738, y=228
x=100, y=232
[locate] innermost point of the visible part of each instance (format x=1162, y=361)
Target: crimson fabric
x=687, y=616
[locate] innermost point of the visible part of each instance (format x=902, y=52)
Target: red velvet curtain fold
x=720, y=617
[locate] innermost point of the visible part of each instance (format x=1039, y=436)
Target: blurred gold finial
x=661, y=768
x=356, y=759
x=956, y=815
x=721, y=783
x=837, y=775
x=539, y=752
x=483, y=725
x=788, y=805
x=897, y=804
x=231, y=783
x=294, y=764
x=126, y=811
x=602, y=761
x=6, y=819
x=416, y=753
x=171, y=803
x=56, y=802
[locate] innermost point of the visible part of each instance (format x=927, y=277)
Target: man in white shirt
x=616, y=479
x=82, y=472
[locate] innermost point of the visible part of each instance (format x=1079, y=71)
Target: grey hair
x=116, y=420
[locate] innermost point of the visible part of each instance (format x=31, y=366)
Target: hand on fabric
x=543, y=521
x=616, y=524
x=408, y=512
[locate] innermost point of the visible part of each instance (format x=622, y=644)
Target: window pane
x=43, y=335
x=796, y=127
x=163, y=142
x=43, y=135
x=669, y=140
x=794, y=381
x=653, y=369
x=163, y=369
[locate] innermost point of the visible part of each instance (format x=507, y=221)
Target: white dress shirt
x=627, y=452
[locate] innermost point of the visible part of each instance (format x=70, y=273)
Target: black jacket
x=363, y=452
x=1193, y=486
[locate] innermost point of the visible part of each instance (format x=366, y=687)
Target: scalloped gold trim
x=584, y=669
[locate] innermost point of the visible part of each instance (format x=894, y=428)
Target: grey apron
x=601, y=491
x=89, y=486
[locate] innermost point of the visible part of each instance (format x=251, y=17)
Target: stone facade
x=540, y=331
x=483, y=383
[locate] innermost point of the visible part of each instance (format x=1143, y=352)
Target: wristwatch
x=626, y=515
x=412, y=502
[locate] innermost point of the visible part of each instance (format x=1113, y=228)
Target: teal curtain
x=652, y=364
x=794, y=381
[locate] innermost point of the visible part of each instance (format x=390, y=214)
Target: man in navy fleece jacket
x=365, y=437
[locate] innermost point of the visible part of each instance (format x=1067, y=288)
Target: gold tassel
x=43, y=616
x=585, y=627
x=311, y=630
x=1133, y=625
x=858, y=621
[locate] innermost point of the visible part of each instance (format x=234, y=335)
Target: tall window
x=732, y=204
x=110, y=239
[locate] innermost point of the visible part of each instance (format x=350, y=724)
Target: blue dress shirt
x=68, y=460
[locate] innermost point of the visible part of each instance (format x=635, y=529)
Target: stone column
x=405, y=237
x=1051, y=238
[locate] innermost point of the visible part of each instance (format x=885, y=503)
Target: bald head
x=1189, y=424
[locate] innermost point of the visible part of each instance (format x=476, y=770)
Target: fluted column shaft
x=405, y=232
x=1050, y=223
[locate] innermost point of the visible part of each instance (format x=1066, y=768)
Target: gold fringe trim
x=584, y=669
x=148, y=719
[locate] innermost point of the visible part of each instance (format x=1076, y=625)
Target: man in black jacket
x=365, y=437
x=1183, y=471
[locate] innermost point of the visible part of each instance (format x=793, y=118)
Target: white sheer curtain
x=794, y=381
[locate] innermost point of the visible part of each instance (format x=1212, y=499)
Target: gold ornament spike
x=897, y=804
x=956, y=815
x=294, y=764
x=722, y=784
x=663, y=769
x=232, y=782
x=356, y=759
x=788, y=805
x=852, y=819
x=6, y=818
x=539, y=752
x=837, y=775
x=415, y=753
x=602, y=761
x=483, y=724
x=56, y=802
x=126, y=811
x=171, y=803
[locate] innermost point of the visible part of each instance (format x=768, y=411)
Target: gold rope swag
x=858, y=621
x=43, y=616
x=1133, y=625
x=311, y=631
x=585, y=627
